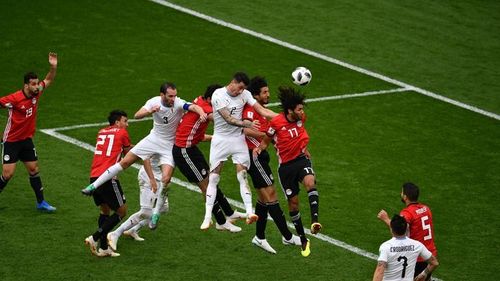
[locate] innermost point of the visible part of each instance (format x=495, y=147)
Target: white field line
x=326, y=58
x=348, y=96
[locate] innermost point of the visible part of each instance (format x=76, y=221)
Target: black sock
x=3, y=183
x=279, y=219
x=218, y=214
x=104, y=239
x=36, y=184
x=314, y=204
x=297, y=222
x=108, y=224
x=224, y=205
x=261, y=211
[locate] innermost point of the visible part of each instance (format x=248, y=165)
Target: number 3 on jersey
x=101, y=144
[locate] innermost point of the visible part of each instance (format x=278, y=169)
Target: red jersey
x=419, y=218
x=109, y=146
x=191, y=129
x=290, y=138
x=249, y=113
x=22, y=115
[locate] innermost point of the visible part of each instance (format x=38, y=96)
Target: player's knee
x=7, y=175
x=309, y=182
x=166, y=180
x=293, y=203
x=122, y=211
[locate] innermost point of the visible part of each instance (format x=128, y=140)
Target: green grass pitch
x=115, y=54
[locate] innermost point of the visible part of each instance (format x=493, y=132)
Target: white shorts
x=152, y=144
x=147, y=196
x=222, y=147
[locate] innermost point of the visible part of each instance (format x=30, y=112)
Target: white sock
x=159, y=200
x=108, y=174
x=132, y=220
x=245, y=192
x=213, y=180
x=138, y=226
x=145, y=215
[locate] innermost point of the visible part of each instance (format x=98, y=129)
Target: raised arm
x=224, y=112
x=49, y=78
x=267, y=113
x=143, y=112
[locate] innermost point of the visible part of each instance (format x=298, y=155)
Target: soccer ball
x=301, y=76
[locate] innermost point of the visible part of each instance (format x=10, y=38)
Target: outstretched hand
x=53, y=59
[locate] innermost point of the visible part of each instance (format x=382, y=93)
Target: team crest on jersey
x=33, y=100
x=23, y=107
x=288, y=191
x=203, y=172
x=283, y=128
x=6, y=157
x=299, y=123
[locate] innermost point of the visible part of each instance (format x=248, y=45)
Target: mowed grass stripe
x=327, y=58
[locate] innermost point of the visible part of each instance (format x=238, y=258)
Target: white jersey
x=155, y=164
x=401, y=255
x=222, y=99
x=166, y=120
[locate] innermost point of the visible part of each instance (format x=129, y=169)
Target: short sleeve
x=150, y=104
x=383, y=253
x=218, y=101
x=125, y=139
x=249, y=99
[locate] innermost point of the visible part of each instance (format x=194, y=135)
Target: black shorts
x=19, y=150
x=259, y=171
x=109, y=193
x=292, y=173
x=420, y=267
x=191, y=163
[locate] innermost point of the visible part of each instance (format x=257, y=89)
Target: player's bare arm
x=207, y=137
x=383, y=216
x=267, y=113
x=224, y=112
x=197, y=109
x=433, y=263
x=379, y=271
x=149, y=171
x=262, y=146
x=253, y=133
x=144, y=112
x=49, y=78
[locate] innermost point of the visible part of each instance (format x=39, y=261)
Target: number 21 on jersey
x=101, y=144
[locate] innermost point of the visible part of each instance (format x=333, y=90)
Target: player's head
x=292, y=102
x=398, y=225
x=210, y=90
x=409, y=193
x=119, y=118
x=168, y=92
x=31, y=86
x=259, y=89
x=238, y=84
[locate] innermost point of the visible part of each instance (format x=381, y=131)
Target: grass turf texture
x=363, y=150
